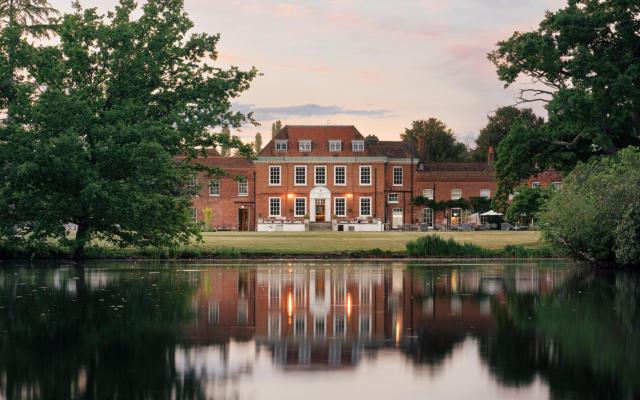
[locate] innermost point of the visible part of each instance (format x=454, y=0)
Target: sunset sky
x=374, y=64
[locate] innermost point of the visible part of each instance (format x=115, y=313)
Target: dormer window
x=281, y=145
x=357, y=145
x=335, y=145
x=304, y=145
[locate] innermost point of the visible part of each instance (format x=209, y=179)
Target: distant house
x=333, y=177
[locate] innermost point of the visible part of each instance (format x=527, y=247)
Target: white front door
x=320, y=204
x=397, y=219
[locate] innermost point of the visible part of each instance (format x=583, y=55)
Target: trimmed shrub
x=627, y=237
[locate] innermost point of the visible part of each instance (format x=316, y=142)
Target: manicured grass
x=331, y=242
x=231, y=245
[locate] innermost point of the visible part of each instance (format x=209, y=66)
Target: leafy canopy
x=584, y=61
x=498, y=126
x=583, y=217
x=440, y=142
x=112, y=106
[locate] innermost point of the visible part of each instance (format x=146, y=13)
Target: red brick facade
x=329, y=173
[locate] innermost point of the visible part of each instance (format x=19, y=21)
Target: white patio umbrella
x=491, y=213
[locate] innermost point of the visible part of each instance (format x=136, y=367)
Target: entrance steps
x=320, y=227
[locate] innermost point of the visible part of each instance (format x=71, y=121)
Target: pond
x=323, y=330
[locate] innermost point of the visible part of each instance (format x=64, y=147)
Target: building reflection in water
x=320, y=316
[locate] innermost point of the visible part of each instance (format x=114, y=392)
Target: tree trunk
x=82, y=237
x=635, y=116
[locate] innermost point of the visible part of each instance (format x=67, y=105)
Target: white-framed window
x=340, y=206
x=304, y=145
x=194, y=215
x=393, y=198
x=365, y=175
x=214, y=187
x=274, y=206
x=357, y=145
x=193, y=182
x=427, y=194
x=485, y=193
x=365, y=206
x=397, y=176
x=243, y=187
x=340, y=175
x=320, y=174
x=274, y=175
x=300, y=175
x=300, y=208
x=456, y=194
x=557, y=185
x=335, y=145
x=535, y=185
x=427, y=216
x=281, y=145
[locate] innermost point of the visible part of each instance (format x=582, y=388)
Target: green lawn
x=318, y=242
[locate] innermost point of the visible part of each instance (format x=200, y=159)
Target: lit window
x=274, y=206
x=340, y=206
x=397, y=176
x=274, y=175
x=214, y=187
x=485, y=193
x=456, y=194
x=427, y=194
x=335, y=145
x=557, y=185
x=535, y=185
x=365, y=175
x=300, y=172
x=243, y=187
x=281, y=145
x=365, y=206
x=340, y=175
x=304, y=145
x=393, y=197
x=357, y=145
x=301, y=206
x=321, y=175
x=456, y=216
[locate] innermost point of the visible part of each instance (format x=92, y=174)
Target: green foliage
x=443, y=204
x=440, y=142
x=435, y=246
x=480, y=204
x=275, y=128
x=627, y=236
x=585, y=63
x=258, y=143
x=527, y=204
x=113, y=102
x=583, y=216
x=498, y=127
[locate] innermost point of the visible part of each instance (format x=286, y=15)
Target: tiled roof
x=395, y=149
x=455, y=172
x=237, y=166
x=319, y=136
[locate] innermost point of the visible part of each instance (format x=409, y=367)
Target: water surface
x=319, y=331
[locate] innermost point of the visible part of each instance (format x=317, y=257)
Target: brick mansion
x=333, y=178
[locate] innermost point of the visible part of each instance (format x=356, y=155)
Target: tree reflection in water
x=141, y=332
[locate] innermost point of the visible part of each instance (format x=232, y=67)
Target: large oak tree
x=584, y=61
x=110, y=108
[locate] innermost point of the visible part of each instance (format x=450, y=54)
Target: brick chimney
x=421, y=147
x=491, y=156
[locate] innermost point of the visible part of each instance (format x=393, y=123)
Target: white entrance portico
x=320, y=204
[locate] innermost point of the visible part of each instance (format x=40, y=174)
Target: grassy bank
x=252, y=245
